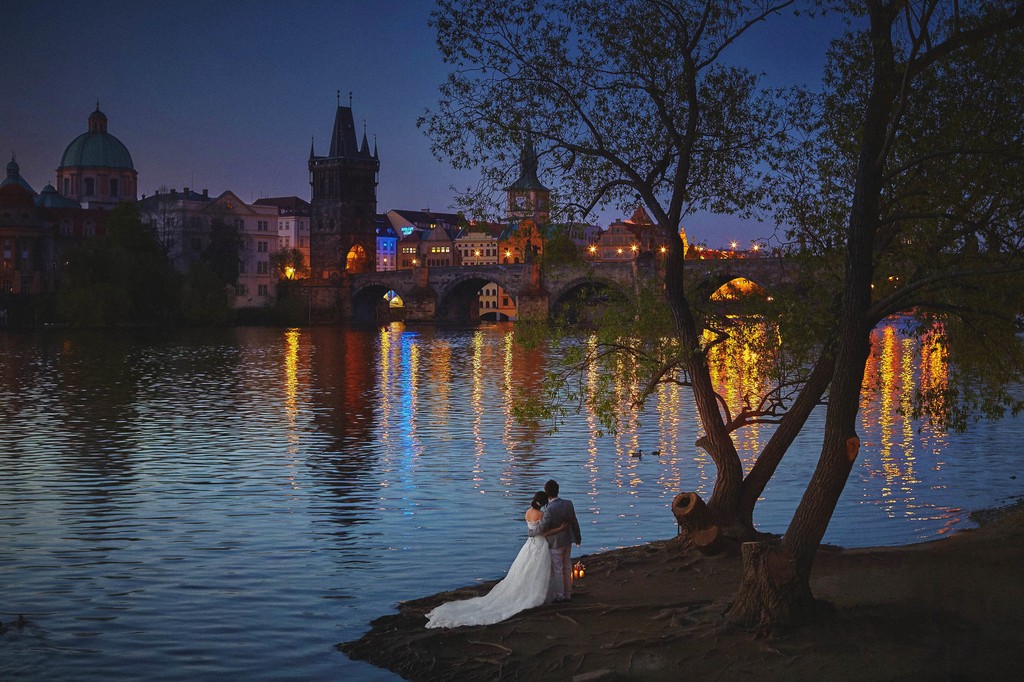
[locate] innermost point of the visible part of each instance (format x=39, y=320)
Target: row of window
x=89, y=187
x=243, y=290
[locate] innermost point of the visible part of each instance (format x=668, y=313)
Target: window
x=241, y=267
x=67, y=186
x=241, y=290
x=90, y=187
x=261, y=289
x=261, y=247
x=113, y=187
x=262, y=267
x=261, y=225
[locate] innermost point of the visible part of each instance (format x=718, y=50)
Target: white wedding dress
x=526, y=585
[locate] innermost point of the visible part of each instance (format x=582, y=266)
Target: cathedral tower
x=343, y=184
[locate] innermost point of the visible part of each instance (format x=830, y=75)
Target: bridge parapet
x=452, y=292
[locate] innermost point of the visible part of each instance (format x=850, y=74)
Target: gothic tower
x=529, y=205
x=344, y=203
x=528, y=199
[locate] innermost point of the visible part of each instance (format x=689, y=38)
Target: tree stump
x=692, y=515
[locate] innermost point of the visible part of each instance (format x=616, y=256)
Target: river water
x=232, y=503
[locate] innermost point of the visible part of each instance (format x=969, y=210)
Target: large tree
x=919, y=148
x=905, y=180
x=629, y=101
x=122, y=278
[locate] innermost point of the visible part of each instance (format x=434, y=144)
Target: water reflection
x=288, y=486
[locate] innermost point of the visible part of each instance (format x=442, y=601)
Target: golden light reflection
x=476, y=402
x=739, y=376
x=291, y=399
x=890, y=382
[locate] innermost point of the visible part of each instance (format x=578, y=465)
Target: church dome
x=14, y=177
x=96, y=148
x=50, y=198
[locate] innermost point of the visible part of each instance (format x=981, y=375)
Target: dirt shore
x=951, y=609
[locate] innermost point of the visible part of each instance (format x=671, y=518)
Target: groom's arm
x=545, y=523
x=576, y=535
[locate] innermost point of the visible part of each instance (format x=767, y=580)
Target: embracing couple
x=541, y=573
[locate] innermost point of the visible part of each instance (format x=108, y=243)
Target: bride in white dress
x=526, y=585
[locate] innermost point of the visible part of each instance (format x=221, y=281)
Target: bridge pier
x=532, y=301
x=421, y=300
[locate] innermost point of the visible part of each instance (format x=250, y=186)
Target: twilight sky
x=225, y=94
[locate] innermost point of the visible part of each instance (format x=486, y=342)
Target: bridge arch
x=577, y=299
x=369, y=303
x=459, y=300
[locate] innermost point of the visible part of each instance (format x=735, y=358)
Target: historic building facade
x=185, y=221
x=343, y=236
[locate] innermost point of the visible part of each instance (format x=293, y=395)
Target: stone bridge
x=452, y=294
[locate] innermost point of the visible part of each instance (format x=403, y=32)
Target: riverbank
x=947, y=609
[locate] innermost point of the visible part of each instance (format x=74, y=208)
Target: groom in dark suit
x=560, y=512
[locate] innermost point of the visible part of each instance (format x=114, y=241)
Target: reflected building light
x=386, y=383
x=291, y=392
x=476, y=396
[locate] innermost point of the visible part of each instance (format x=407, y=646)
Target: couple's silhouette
x=541, y=572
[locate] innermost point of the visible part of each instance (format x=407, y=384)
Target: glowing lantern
x=578, y=570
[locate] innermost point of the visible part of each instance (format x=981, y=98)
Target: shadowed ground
x=945, y=610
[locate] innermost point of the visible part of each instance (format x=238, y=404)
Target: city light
x=732, y=244
x=289, y=272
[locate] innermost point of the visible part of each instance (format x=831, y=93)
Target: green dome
x=96, y=148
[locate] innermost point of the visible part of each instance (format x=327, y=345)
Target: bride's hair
x=539, y=500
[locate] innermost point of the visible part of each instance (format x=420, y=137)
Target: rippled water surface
x=231, y=504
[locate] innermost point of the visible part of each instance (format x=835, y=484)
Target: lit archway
x=738, y=288
x=356, y=260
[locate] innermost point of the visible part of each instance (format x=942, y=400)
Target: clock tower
x=527, y=198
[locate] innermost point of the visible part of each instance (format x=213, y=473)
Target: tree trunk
x=768, y=596
x=729, y=470
x=789, y=428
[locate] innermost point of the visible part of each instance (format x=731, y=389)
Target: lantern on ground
x=578, y=570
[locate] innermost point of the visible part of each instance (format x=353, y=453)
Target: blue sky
x=226, y=95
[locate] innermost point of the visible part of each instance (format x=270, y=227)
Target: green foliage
x=222, y=254
x=124, y=278
x=289, y=264
x=623, y=98
x=608, y=348
x=559, y=248
x=206, y=300
x=948, y=241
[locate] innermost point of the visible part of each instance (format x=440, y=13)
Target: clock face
x=520, y=202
